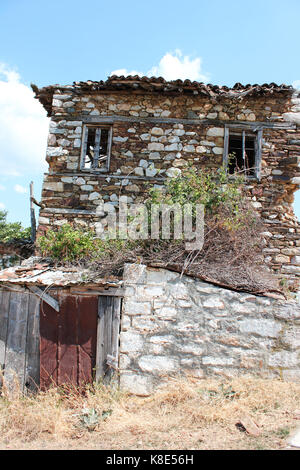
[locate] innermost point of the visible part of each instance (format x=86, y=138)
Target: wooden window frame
x=98, y=128
x=242, y=131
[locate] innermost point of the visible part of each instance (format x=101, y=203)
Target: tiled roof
x=158, y=85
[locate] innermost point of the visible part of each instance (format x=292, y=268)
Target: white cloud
x=20, y=189
x=125, y=72
x=2, y=206
x=296, y=84
x=23, y=127
x=2, y=188
x=173, y=66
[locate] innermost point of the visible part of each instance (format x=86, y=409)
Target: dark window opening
x=96, y=148
x=241, y=154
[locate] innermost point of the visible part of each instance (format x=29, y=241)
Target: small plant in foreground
x=90, y=418
x=283, y=432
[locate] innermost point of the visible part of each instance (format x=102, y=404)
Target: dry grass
x=184, y=415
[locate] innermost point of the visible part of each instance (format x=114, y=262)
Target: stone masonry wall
x=147, y=151
x=173, y=325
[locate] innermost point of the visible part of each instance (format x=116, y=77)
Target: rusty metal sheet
x=68, y=339
x=87, y=338
x=48, y=346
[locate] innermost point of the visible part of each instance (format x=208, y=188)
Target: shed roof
x=36, y=272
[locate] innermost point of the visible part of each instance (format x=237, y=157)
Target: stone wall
x=173, y=325
x=155, y=136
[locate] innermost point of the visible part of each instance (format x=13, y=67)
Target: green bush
x=71, y=245
x=221, y=195
x=67, y=244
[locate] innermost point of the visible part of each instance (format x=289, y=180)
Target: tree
x=10, y=231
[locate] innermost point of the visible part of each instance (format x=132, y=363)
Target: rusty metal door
x=80, y=342
x=68, y=341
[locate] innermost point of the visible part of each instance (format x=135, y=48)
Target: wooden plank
x=244, y=149
x=45, y=297
x=113, y=354
x=258, y=151
x=186, y=121
x=225, y=151
x=97, y=147
x=32, y=214
x=32, y=365
x=84, y=172
x=101, y=353
x=116, y=327
x=108, y=335
x=113, y=292
x=4, y=311
x=84, y=147
x=109, y=147
x=16, y=339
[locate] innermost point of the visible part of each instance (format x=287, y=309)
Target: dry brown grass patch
x=184, y=415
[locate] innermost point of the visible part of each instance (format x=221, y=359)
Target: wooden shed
x=55, y=329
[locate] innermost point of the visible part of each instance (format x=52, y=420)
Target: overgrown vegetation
x=68, y=244
x=186, y=414
x=232, y=251
x=220, y=195
x=10, y=231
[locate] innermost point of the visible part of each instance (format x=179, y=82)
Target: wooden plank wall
x=109, y=308
x=19, y=338
x=40, y=346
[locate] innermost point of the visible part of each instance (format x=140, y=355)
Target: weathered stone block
x=58, y=186
x=166, y=312
x=132, y=307
x=56, y=152
x=156, y=146
x=136, y=383
x=215, y=132
x=135, y=273
x=131, y=342
x=283, y=359
x=260, y=327
x=213, y=302
x=158, y=364
x=149, y=292
x=157, y=131
x=160, y=276
x=218, y=361
x=192, y=348
x=291, y=337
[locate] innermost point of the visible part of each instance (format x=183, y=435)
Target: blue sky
x=45, y=42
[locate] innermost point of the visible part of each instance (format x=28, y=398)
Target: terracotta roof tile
x=158, y=85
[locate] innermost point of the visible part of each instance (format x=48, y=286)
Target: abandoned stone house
x=143, y=129
x=112, y=138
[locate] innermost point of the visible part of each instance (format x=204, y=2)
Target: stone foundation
x=178, y=326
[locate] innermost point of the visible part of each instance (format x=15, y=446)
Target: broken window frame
x=94, y=166
x=243, y=131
